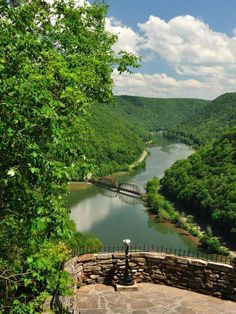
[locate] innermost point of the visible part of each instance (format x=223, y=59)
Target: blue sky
x=219, y=14
x=188, y=46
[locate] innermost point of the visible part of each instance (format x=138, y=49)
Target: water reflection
x=107, y=192
x=123, y=197
x=87, y=216
x=128, y=199
x=113, y=217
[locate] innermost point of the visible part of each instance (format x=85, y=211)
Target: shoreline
x=132, y=166
x=74, y=184
x=181, y=231
x=141, y=158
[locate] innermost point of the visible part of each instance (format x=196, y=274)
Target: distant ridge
x=121, y=128
x=209, y=122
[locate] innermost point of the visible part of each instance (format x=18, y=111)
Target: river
x=113, y=217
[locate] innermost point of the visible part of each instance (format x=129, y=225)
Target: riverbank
x=112, y=218
x=141, y=159
x=165, y=211
x=133, y=166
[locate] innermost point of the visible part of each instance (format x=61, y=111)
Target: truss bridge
x=125, y=188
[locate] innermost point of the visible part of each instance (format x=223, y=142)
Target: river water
x=113, y=217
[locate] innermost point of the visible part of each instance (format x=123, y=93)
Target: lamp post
x=127, y=280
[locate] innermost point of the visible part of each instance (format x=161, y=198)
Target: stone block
x=198, y=262
x=89, y=281
x=169, y=261
x=92, y=269
x=136, y=254
x=138, y=260
x=119, y=255
x=158, y=277
x=79, y=269
x=199, y=272
x=209, y=285
x=100, y=280
x=106, y=266
x=220, y=267
x=217, y=294
x=182, y=260
x=173, y=267
x=213, y=277
x=87, y=264
x=86, y=258
x=223, y=282
x=103, y=256
x=121, y=288
x=156, y=256
x=196, y=283
x=94, y=276
x=207, y=271
x=105, y=261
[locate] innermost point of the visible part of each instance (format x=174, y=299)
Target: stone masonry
x=206, y=277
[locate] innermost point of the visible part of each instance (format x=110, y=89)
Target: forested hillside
x=120, y=129
x=115, y=142
x=56, y=59
x=206, y=182
x=208, y=123
x=155, y=114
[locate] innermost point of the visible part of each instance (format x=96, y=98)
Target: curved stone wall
x=206, y=277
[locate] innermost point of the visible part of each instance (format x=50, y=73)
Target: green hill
x=209, y=122
x=155, y=114
x=206, y=183
x=120, y=129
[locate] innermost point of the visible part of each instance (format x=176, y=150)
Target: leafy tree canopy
x=56, y=60
x=205, y=183
x=208, y=122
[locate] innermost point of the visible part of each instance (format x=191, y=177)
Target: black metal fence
x=198, y=254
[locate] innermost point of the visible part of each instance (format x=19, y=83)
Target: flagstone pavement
x=150, y=298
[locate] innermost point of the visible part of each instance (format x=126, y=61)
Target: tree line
x=56, y=61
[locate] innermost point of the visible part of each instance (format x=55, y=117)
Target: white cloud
x=162, y=85
x=187, y=40
x=203, y=61
x=128, y=40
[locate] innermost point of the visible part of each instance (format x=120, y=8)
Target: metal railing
x=198, y=254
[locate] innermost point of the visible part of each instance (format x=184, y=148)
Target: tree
x=56, y=60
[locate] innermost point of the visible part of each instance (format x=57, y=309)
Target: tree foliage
x=121, y=128
x=56, y=60
x=208, y=122
x=205, y=183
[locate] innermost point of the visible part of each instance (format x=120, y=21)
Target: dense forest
x=55, y=70
x=56, y=60
x=119, y=130
x=206, y=183
x=166, y=211
x=209, y=122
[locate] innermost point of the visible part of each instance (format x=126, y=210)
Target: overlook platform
x=150, y=298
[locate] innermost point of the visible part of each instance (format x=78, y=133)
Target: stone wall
x=69, y=302
x=206, y=277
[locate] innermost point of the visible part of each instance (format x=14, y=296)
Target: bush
x=212, y=245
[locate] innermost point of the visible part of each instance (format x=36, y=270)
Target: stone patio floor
x=150, y=298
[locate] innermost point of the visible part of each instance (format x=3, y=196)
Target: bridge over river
x=127, y=188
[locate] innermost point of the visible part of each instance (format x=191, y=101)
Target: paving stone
x=100, y=287
x=150, y=299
